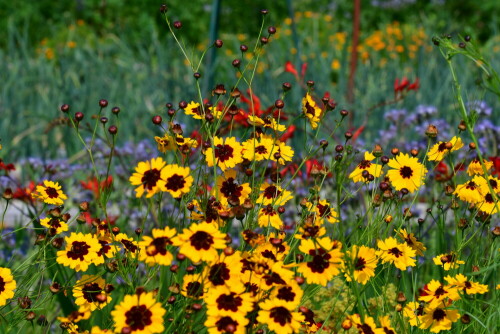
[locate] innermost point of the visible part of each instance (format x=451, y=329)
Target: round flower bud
x=243, y=48
x=65, y=108
x=218, y=43
x=157, y=120
x=113, y=130
x=103, y=103
x=115, y=110
x=177, y=24
x=79, y=116
x=279, y=104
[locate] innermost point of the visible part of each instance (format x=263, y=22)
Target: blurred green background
x=77, y=52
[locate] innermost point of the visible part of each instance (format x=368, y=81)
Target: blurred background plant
x=81, y=51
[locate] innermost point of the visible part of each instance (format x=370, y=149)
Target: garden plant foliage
x=238, y=211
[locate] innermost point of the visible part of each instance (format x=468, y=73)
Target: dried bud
x=462, y=126
x=8, y=194
x=431, y=131
x=465, y=319
x=24, y=302
x=463, y=223
x=55, y=287
x=401, y=298
x=496, y=231
x=57, y=243
x=30, y=316
x=377, y=151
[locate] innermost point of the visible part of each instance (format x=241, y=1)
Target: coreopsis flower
x=222, y=324
x=311, y=227
x=178, y=181
x=413, y=312
x=267, y=122
x=366, y=326
x=139, y=313
x=273, y=194
x=311, y=110
x=360, y=262
x=193, y=286
x=80, y=252
x=7, y=285
x=129, y=244
x=224, y=270
x=50, y=193
x=268, y=216
x=412, y=241
x=323, y=209
x=278, y=317
x=149, y=176
x=107, y=249
x=406, y=172
x=289, y=293
x=194, y=109
x=282, y=152
x=165, y=143
x=462, y=283
x=437, y=294
x=488, y=205
x=200, y=242
x=83, y=313
x=369, y=166
x=259, y=148
x=154, y=250
x=438, y=319
x=88, y=292
x=401, y=255
x=447, y=261
x=442, y=148
x=233, y=301
x=225, y=154
x=471, y=191
x=324, y=262
x=228, y=190
x=385, y=323
x=55, y=225
x=475, y=167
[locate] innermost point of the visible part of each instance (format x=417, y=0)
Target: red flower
x=496, y=166
x=6, y=167
x=405, y=86
x=24, y=194
x=291, y=69
x=93, y=185
x=288, y=133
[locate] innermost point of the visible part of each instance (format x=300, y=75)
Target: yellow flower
x=227, y=153
x=193, y=287
x=50, y=193
x=441, y=149
x=282, y=152
x=437, y=294
x=155, y=250
x=88, y=292
x=311, y=110
x=447, y=261
x=268, y=216
x=413, y=311
x=223, y=300
x=228, y=189
x=324, y=262
x=274, y=195
x=323, y=209
x=149, y=176
x=200, y=242
x=81, y=251
x=366, y=326
x=401, y=255
x=278, y=318
x=195, y=110
x=360, y=262
x=224, y=270
x=165, y=143
x=218, y=324
x=366, y=164
x=268, y=122
x=407, y=172
x=177, y=180
x=54, y=224
x=139, y=313
x=476, y=168
x=259, y=148
x=438, y=319
x=471, y=191
x=462, y=283
x=412, y=241
x=7, y=285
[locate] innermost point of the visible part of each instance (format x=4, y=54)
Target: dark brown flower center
x=201, y=240
x=442, y=147
x=175, y=182
x=388, y=331
x=286, y=293
x=138, y=318
x=226, y=325
x=129, y=245
x=280, y=315
x=406, y=172
x=104, y=247
x=150, y=178
x=319, y=262
x=439, y=291
x=78, y=250
x=271, y=192
x=223, y=152
x=395, y=251
x=310, y=109
x=2, y=284
x=493, y=184
x=471, y=185
x=366, y=329
x=90, y=292
x=274, y=278
x=261, y=149
x=194, y=289
x=364, y=164
x=158, y=245
x=324, y=210
x=51, y=192
x=360, y=264
x=55, y=223
x=488, y=198
x=219, y=274
x=196, y=110
x=231, y=189
x=468, y=285
x=438, y=314
x=230, y=302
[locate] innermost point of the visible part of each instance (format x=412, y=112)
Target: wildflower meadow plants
x=226, y=223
